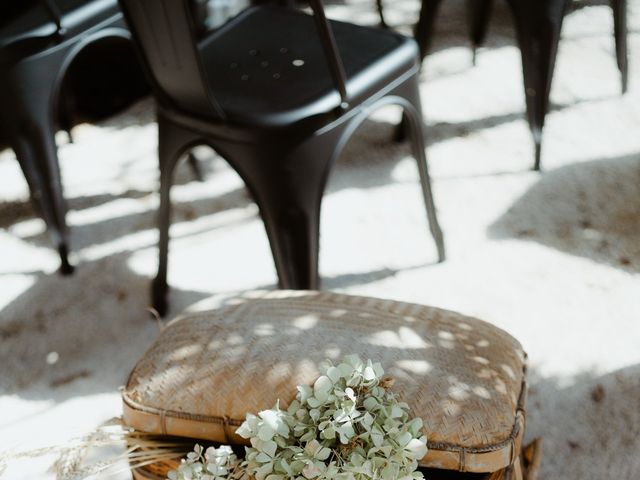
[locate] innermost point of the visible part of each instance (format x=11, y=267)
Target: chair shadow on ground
x=96, y=322
x=590, y=209
x=368, y=161
x=97, y=350
x=15, y=211
x=103, y=231
x=345, y=280
x=372, y=148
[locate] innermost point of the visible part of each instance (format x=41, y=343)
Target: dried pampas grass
x=140, y=450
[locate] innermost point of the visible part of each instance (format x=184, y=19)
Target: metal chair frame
x=538, y=24
x=30, y=84
x=285, y=163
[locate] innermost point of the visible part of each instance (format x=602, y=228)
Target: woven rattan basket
x=464, y=377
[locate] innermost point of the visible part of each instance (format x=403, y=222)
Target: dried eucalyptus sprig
x=347, y=426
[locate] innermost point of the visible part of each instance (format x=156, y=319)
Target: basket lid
x=464, y=377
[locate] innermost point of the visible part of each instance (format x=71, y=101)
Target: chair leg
x=171, y=141
x=36, y=151
x=415, y=123
x=538, y=24
x=288, y=189
x=27, y=97
x=194, y=165
x=159, y=287
x=620, y=32
x=66, y=116
x=479, y=12
x=423, y=31
x=292, y=219
x=380, y=8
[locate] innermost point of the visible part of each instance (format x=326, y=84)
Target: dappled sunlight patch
x=183, y=353
x=481, y=392
x=508, y=370
x=419, y=367
x=28, y=228
x=480, y=360
x=13, y=286
x=307, y=322
x=264, y=330
x=446, y=344
x=236, y=339
x=404, y=337
x=450, y=408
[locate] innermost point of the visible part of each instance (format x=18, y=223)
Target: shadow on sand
x=590, y=209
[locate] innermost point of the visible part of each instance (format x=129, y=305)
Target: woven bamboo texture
x=462, y=376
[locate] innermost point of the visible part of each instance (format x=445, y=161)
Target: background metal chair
x=38, y=41
x=538, y=24
x=480, y=13
x=277, y=93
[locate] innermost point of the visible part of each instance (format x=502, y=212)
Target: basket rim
x=131, y=404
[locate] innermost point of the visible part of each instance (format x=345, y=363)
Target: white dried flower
x=212, y=464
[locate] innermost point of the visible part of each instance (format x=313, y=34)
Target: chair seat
x=267, y=65
x=31, y=28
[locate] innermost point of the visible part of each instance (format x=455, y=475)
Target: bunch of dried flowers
x=347, y=426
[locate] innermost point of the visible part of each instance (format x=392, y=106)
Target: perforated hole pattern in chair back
x=269, y=60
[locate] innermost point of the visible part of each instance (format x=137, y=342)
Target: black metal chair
x=480, y=12
x=538, y=24
x=277, y=93
x=38, y=42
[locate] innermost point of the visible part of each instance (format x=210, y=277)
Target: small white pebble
x=52, y=358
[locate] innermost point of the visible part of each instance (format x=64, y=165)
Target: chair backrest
x=331, y=52
x=164, y=31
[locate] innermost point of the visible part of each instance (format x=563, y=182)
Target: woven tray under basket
x=464, y=377
x=159, y=472
x=526, y=468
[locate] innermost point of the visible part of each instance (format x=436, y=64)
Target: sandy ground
x=554, y=258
